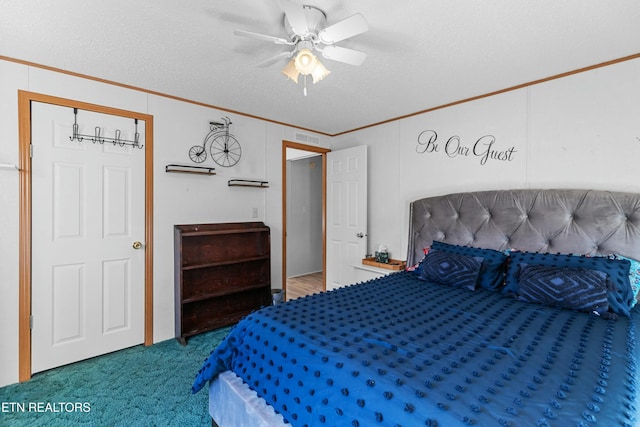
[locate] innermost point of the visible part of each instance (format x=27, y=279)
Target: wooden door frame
x=24, y=165
x=322, y=151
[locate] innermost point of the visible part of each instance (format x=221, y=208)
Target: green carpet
x=138, y=386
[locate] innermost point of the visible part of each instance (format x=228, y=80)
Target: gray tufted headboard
x=589, y=222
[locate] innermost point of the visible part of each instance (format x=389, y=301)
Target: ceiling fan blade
x=296, y=17
x=274, y=59
x=276, y=40
x=342, y=54
x=349, y=27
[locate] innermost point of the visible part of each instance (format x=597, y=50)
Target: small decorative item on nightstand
x=382, y=255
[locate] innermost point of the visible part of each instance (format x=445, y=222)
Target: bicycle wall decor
x=224, y=148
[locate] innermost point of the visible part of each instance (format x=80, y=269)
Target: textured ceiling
x=421, y=54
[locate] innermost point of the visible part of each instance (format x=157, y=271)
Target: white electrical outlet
x=254, y=213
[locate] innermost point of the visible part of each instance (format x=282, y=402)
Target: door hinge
x=31, y=322
x=30, y=150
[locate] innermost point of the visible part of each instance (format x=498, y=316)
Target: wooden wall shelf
x=248, y=183
x=203, y=170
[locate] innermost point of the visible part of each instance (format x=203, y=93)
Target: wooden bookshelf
x=222, y=273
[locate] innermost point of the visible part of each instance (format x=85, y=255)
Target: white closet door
x=87, y=211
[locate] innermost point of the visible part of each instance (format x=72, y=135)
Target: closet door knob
x=137, y=245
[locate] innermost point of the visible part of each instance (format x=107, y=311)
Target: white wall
x=581, y=131
x=178, y=198
x=186, y=198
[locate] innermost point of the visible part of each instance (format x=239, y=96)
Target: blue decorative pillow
x=493, y=262
x=620, y=295
x=451, y=269
x=580, y=289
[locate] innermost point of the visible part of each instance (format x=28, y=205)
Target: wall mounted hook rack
x=97, y=135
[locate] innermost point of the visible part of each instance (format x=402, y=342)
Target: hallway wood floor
x=304, y=285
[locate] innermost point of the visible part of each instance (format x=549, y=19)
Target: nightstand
x=366, y=272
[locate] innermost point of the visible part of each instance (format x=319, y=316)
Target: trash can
x=277, y=296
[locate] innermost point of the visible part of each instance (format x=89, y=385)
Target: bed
x=467, y=337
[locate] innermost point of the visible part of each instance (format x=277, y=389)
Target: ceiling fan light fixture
x=305, y=61
x=319, y=73
x=291, y=71
x=307, y=31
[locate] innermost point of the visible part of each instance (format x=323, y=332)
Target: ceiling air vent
x=307, y=138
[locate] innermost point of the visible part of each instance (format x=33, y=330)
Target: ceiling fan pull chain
x=304, y=91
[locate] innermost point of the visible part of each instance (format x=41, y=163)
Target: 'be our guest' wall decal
x=483, y=148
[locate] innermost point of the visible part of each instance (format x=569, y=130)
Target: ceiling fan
x=307, y=31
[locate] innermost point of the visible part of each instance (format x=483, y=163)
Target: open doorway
x=304, y=211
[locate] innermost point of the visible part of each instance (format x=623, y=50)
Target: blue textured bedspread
x=398, y=351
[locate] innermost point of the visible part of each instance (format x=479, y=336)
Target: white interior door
x=346, y=214
x=87, y=210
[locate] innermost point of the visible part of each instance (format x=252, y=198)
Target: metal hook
x=76, y=132
x=136, y=141
x=98, y=138
x=117, y=139
x=136, y=136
